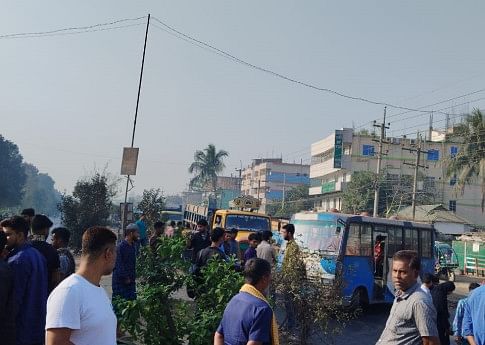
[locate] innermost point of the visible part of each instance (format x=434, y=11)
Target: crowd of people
x=45, y=300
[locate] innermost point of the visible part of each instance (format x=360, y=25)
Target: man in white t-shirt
x=78, y=310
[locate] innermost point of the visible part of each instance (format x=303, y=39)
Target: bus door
x=381, y=267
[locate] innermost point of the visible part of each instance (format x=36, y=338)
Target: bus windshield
x=318, y=236
x=247, y=222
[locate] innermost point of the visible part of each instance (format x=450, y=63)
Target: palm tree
x=206, y=165
x=469, y=163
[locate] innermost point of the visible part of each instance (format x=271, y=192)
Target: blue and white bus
x=358, y=251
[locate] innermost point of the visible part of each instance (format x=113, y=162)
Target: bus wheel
x=359, y=300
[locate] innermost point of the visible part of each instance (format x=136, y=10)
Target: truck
x=242, y=215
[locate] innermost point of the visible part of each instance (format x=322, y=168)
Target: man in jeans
x=29, y=270
x=412, y=320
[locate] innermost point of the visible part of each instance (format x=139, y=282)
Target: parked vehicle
x=446, y=260
x=357, y=251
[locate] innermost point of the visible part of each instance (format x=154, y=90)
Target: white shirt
x=83, y=307
x=426, y=291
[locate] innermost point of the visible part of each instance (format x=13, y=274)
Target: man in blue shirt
x=458, y=320
x=248, y=318
x=142, y=229
x=29, y=270
x=474, y=317
x=124, y=275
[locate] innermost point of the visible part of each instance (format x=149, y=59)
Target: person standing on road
x=459, y=313
x=293, y=271
x=199, y=240
x=142, y=229
x=60, y=241
x=250, y=253
x=474, y=317
x=231, y=245
x=158, y=231
x=7, y=314
x=79, y=310
x=412, y=320
x=248, y=317
x=265, y=249
x=28, y=214
x=29, y=270
x=440, y=300
x=124, y=273
x=429, y=281
x=214, y=250
x=40, y=229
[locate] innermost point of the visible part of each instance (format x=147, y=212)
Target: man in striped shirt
x=412, y=320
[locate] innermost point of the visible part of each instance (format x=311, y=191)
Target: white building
x=338, y=156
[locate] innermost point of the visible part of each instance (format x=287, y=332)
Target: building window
x=368, y=150
x=453, y=180
x=453, y=151
x=452, y=205
x=433, y=155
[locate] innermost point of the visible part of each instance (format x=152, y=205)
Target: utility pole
x=284, y=191
x=381, y=142
x=240, y=180
x=128, y=180
x=416, y=165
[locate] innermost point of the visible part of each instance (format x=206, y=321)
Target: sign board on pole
x=130, y=160
x=337, y=155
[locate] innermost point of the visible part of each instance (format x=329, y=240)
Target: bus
x=357, y=251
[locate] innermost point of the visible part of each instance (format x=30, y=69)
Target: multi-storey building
x=337, y=157
x=268, y=179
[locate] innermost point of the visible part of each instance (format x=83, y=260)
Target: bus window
x=359, y=242
x=425, y=243
x=365, y=240
x=394, y=240
x=411, y=239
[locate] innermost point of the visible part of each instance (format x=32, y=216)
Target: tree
x=39, y=192
x=13, y=175
x=151, y=204
x=206, y=165
x=359, y=194
x=469, y=163
x=296, y=200
x=88, y=205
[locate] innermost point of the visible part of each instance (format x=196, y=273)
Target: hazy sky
x=68, y=101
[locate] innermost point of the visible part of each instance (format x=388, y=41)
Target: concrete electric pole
x=416, y=165
x=381, y=141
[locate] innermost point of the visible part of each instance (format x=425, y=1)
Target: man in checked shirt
x=412, y=320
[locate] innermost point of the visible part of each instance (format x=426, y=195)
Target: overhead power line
x=424, y=107
x=74, y=29
x=219, y=51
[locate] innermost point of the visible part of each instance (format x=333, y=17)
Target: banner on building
x=337, y=154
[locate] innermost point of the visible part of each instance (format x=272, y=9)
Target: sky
x=68, y=101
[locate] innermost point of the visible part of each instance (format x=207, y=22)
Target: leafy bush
x=154, y=317
x=219, y=283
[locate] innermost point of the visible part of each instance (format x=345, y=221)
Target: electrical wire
x=63, y=30
x=425, y=106
x=279, y=75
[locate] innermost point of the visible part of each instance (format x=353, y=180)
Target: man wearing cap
x=124, y=275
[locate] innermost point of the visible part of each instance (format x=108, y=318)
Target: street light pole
x=125, y=208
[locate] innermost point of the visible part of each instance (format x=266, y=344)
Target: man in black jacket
x=200, y=240
x=217, y=237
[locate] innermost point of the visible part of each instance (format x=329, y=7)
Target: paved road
x=366, y=329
